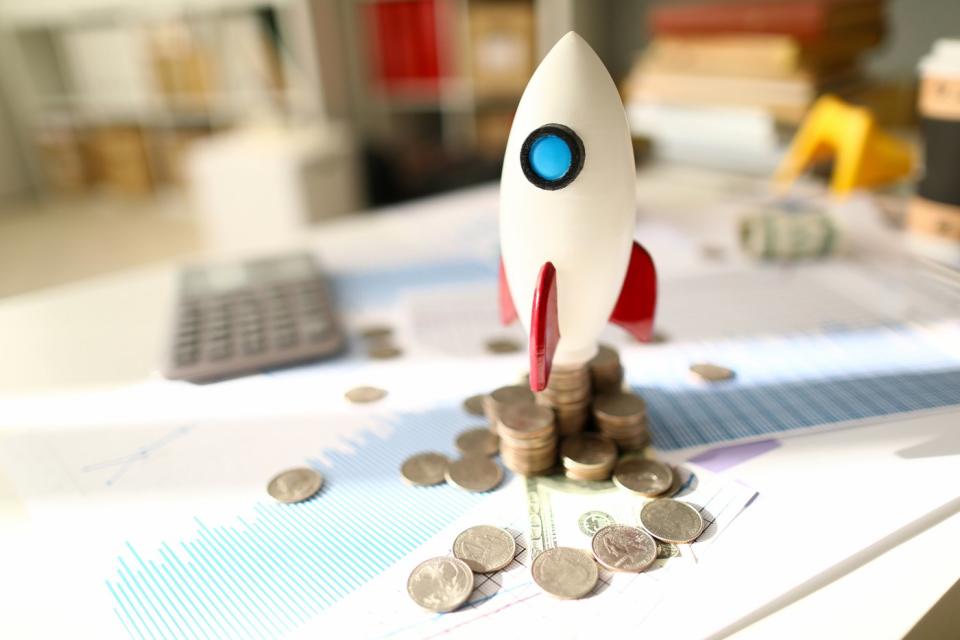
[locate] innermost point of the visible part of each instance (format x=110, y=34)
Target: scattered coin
x=295, y=485
x=484, y=548
x=474, y=405
x=384, y=352
x=440, y=584
x=502, y=345
x=565, y=572
x=621, y=548
x=712, y=372
x=646, y=477
x=671, y=520
x=474, y=473
x=364, y=395
x=376, y=332
x=479, y=441
x=425, y=469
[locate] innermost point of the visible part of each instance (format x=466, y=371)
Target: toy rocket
x=567, y=201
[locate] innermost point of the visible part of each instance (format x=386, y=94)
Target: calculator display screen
x=217, y=279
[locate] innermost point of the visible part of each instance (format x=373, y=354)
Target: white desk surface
x=111, y=330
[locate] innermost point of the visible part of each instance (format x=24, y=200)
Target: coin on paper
x=565, y=572
x=712, y=372
x=440, y=584
x=376, y=332
x=646, y=477
x=621, y=548
x=384, y=352
x=295, y=485
x=480, y=441
x=502, y=345
x=484, y=548
x=364, y=395
x=474, y=405
x=474, y=473
x=671, y=520
x=424, y=469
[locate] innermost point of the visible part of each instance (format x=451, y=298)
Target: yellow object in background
x=864, y=155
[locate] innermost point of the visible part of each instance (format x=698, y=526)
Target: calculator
x=239, y=318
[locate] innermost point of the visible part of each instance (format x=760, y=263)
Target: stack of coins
x=568, y=393
x=622, y=417
x=495, y=401
x=588, y=456
x=606, y=370
x=528, y=438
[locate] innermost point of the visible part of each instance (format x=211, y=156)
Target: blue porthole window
x=552, y=156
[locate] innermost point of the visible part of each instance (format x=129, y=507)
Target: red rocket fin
x=508, y=312
x=544, y=327
x=638, y=296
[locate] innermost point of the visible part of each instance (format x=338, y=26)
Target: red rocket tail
x=544, y=327
x=638, y=296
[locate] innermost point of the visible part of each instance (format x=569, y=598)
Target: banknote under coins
x=606, y=371
x=568, y=393
x=528, y=438
x=476, y=473
x=440, y=584
x=647, y=478
x=425, y=469
x=588, y=456
x=671, y=520
x=622, y=417
x=365, y=395
x=485, y=549
x=295, y=485
x=619, y=547
x=565, y=572
x=496, y=400
x=480, y=441
x=711, y=372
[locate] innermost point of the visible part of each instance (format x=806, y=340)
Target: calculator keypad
x=262, y=326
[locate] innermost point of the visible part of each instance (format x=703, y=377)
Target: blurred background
x=133, y=131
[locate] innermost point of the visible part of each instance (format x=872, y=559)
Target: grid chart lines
x=802, y=381
x=271, y=570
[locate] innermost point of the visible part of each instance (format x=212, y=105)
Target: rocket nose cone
x=568, y=49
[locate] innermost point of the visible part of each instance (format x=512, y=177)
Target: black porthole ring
x=577, y=155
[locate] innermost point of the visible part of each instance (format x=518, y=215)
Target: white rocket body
x=585, y=228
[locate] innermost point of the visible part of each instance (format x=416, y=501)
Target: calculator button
x=219, y=351
x=186, y=356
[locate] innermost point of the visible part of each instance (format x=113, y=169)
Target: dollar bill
x=562, y=512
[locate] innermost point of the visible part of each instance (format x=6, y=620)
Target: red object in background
x=402, y=40
x=805, y=20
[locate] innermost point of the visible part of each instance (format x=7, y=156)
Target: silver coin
x=474, y=405
x=646, y=477
x=384, y=352
x=619, y=405
x=484, y=548
x=376, y=332
x=565, y=572
x=512, y=394
x=480, y=441
x=474, y=473
x=671, y=520
x=712, y=372
x=502, y=345
x=588, y=449
x=295, y=485
x=425, y=469
x=364, y=395
x=621, y=548
x=440, y=584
